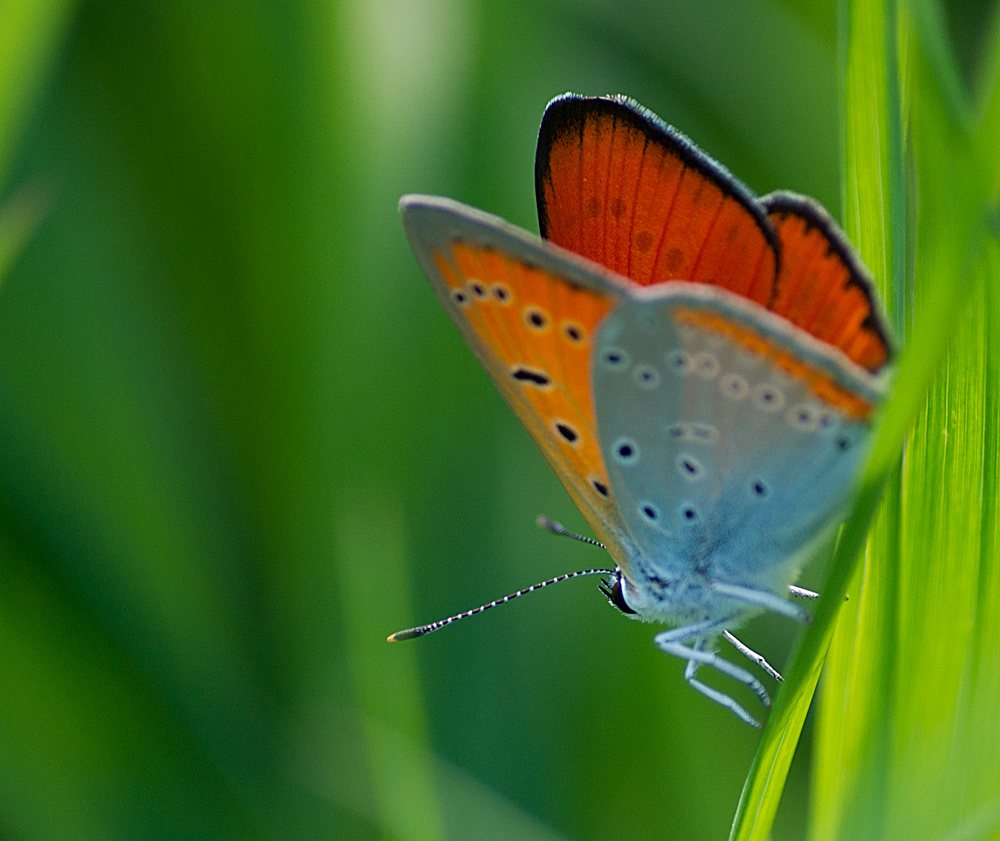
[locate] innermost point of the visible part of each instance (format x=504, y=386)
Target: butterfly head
x=613, y=587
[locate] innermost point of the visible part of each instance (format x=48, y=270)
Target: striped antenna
x=544, y=522
x=412, y=633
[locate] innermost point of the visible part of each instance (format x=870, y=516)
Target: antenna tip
x=408, y=634
x=544, y=522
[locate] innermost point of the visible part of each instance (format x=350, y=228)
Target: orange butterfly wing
x=619, y=186
x=822, y=286
x=528, y=311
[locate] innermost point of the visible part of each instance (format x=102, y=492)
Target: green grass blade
x=328, y=768
x=86, y=736
x=987, y=133
x=384, y=677
x=765, y=782
x=905, y=747
x=32, y=31
x=983, y=824
x=928, y=18
x=874, y=220
x=413, y=794
x=19, y=216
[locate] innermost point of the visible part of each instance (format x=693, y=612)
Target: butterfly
x=701, y=367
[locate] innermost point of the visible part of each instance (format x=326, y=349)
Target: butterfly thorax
x=679, y=591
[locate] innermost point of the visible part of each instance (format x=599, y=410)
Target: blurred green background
x=240, y=442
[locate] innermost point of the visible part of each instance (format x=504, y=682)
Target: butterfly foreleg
x=761, y=598
x=673, y=642
x=753, y=656
x=714, y=694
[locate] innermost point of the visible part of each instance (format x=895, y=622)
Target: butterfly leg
x=714, y=694
x=672, y=642
x=753, y=656
x=761, y=598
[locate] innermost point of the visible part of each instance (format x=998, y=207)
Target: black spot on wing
x=567, y=432
x=531, y=375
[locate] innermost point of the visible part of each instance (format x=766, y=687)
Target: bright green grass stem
x=907, y=736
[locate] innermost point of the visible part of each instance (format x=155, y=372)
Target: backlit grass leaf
x=896, y=671
x=906, y=747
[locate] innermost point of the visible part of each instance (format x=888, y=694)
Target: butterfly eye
x=615, y=595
